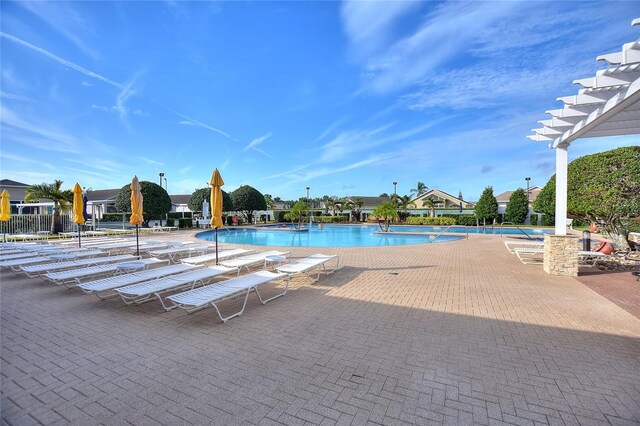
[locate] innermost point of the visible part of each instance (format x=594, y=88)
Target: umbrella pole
x=137, y=243
x=216, y=245
x=79, y=237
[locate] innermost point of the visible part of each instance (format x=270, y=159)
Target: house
x=504, y=197
x=179, y=203
x=441, y=200
x=17, y=193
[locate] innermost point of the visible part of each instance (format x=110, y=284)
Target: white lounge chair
x=526, y=243
x=147, y=291
x=35, y=270
x=21, y=255
x=108, y=285
x=589, y=258
x=175, y=252
x=200, y=298
x=252, y=260
x=569, y=223
x=307, y=264
x=529, y=255
x=16, y=264
x=211, y=257
x=71, y=276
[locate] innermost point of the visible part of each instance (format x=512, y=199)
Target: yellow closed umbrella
x=5, y=210
x=136, y=209
x=78, y=209
x=216, y=204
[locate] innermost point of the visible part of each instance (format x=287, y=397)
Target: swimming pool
x=344, y=235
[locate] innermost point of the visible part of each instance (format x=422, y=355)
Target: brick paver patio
x=457, y=333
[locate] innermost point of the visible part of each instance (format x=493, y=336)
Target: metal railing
x=34, y=223
x=432, y=239
x=517, y=227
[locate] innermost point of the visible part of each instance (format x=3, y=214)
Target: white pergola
x=606, y=105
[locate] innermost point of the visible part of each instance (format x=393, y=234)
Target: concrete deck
x=459, y=332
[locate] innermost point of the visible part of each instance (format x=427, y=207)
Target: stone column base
x=561, y=255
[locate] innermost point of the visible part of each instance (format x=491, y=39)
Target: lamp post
x=161, y=176
x=395, y=185
x=166, y=185
x=528, y=179
x=310, y=207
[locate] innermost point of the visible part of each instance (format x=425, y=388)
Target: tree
x=298, y=213
x=384, y=195
x=517, y=207
x=603, y=186
x=386, y=212
x=404, y=202
x=201, y=195
x=431, y=205
x=155, y=200
x=270, y=202
x=247, y=199
x=419, y=190
x=333, y=203
x=277, y=199
x=356, y=208
x=487, y=207
x=51, y=191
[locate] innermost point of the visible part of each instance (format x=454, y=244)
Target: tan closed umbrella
x=78, y=209
x=136, y=209
x=216, y=204
x=5, y=210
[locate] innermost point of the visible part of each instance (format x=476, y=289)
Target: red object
x=235, y=220
x=605, y=248
x=593, y=227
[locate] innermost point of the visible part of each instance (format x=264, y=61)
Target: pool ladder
x=433, y=239
x=517, y=227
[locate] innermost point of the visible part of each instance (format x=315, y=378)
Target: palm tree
x=53, y=192
x=404, y=202
x=428, y=203
x=334, y=203
x=298, y=213
x=270, y=202
x=419, y=190
x=356, y=207
x=385, y=212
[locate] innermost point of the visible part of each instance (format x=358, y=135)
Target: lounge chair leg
x=264, y=302
x=237, y=314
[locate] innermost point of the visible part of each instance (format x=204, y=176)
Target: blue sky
x=344, y=97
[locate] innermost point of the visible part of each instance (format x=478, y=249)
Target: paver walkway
x=458, y=333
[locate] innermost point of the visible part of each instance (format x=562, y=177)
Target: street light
x=310, y=207
x=527, y=179
x=395, y=185
x=166, y=186
x=161, y=176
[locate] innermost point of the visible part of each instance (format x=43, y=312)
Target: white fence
x=33, y=223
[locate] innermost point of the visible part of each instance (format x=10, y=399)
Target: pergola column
x=562, y=164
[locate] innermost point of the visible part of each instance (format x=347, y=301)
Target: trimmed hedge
x=462, y=219
x=184, y=223
x=114, y=217
x=178, y=215
x=548, y=220
x=438, y=221
x=331, y=219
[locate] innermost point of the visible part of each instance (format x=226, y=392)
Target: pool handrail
x=517, y=227
x=433, y=239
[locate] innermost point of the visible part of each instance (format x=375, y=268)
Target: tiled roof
x=9, y=182
x=180, y=199
x=102, y=194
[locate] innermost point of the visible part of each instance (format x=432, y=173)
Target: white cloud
x=15, y=97
x=64, y=19
x=257, y=141
x=152, y=162
x=368, y=24
x=61, y=61
x=185, y=169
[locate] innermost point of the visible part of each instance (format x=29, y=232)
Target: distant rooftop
x=9, y=182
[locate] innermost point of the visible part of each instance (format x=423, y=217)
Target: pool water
x=343, y=235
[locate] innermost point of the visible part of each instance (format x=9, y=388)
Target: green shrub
x=279, y=215
x=548, y=220
x=178, y=215
x=184, y=223
x=435, y=221
x=331, y=219
x=114, y=217
x=462, y=219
